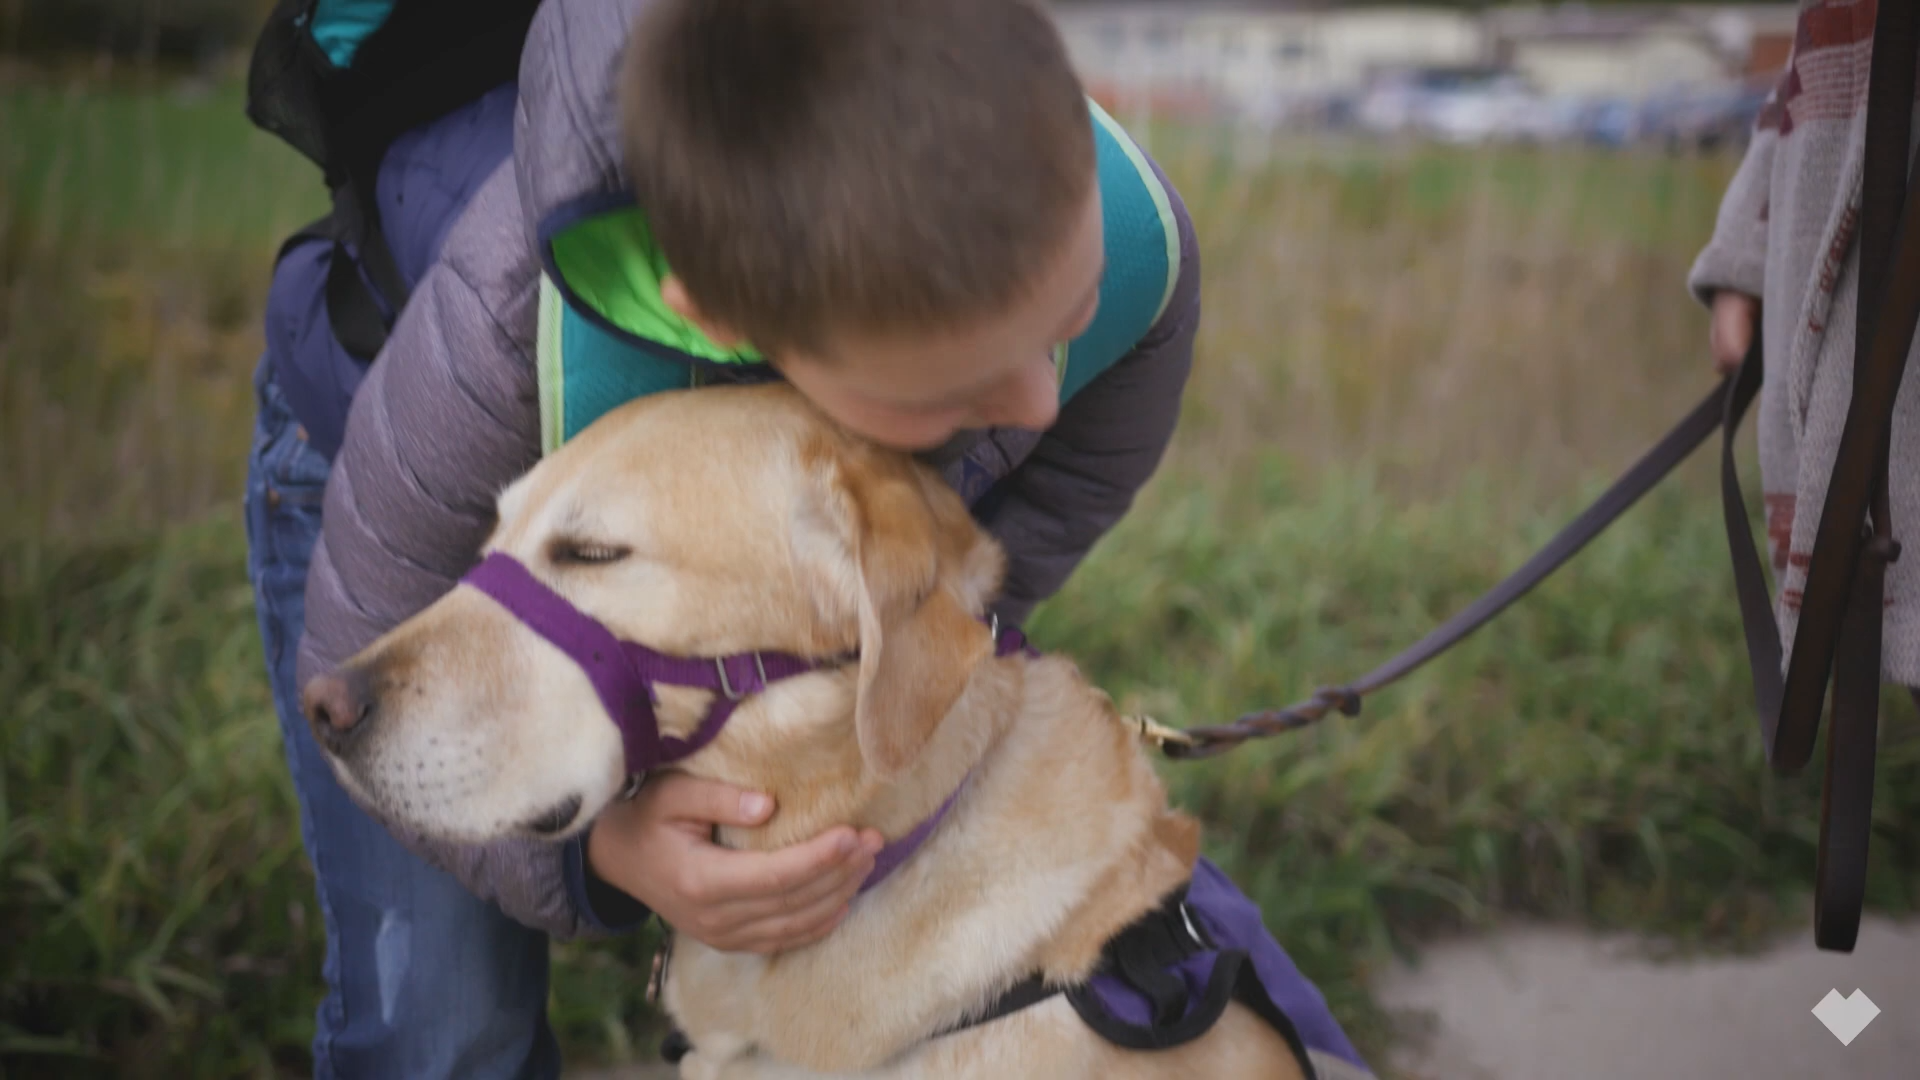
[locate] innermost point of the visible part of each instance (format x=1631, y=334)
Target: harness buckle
x=726, y=685
x=1186, y=918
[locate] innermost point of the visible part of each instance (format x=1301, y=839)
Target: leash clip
x=1153, y=731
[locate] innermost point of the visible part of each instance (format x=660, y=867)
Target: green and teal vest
x=606, y=337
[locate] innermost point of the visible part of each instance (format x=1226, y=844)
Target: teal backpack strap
x=1143, y=257
x=585, y=370
x=605, y=335
x=339, y=27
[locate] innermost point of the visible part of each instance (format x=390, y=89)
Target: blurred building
x=1638, y=51
x=1198, y=56
x=1268, y=58
x=1245, y=55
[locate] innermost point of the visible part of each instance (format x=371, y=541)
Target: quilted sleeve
x=1736, y=256
x=447, y=416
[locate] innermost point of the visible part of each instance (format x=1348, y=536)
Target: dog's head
x=699, y=523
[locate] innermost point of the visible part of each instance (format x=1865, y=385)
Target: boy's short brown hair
x=887, y=166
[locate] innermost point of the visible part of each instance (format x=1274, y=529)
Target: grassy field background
x=1416, y=363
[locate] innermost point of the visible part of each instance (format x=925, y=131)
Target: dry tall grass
x=1438, y=312
x=137, y=230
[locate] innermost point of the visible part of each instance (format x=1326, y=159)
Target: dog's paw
x=697, y=1066
x=716, y=1056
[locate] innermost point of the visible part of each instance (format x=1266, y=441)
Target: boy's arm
x=445, y=419
x=1085, y=471
x=1735, y=259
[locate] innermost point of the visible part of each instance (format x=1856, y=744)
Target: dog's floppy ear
x=919, y=642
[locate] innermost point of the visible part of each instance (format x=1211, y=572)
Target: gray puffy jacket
x=448, y=415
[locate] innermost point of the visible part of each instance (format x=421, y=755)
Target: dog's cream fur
x=749, y=522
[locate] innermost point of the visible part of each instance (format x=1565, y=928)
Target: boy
x=903, y=207
x=1784, y=250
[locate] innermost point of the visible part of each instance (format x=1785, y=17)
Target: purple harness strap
x=898, y=851
x=624, y=673
x=1007, y=640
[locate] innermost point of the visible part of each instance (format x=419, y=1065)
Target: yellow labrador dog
x=737, y=522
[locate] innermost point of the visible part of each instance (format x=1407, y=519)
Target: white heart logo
x=1846, y=1017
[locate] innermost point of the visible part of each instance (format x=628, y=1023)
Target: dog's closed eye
x=574, y=551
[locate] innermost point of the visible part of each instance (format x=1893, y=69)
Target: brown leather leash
x=1841, y=608
x=1670, y=451
x=1842, y=605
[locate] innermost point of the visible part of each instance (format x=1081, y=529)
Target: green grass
x=155, y=886
x=81, y=168
x=157, y=903
x=1414, y=366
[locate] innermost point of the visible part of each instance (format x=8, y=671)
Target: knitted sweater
x=1786, y=234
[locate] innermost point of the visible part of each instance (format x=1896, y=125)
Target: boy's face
x=916, y=393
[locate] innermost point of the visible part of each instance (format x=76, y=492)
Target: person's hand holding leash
x=1732, y=331
x=658, y=848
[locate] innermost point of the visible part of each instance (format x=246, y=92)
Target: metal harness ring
x=726, y=686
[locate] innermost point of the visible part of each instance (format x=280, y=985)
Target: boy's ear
x=674, y=293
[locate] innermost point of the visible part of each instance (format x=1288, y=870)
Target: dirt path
x=1547, y=1003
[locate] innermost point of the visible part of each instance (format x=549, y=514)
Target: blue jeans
x=424, y=980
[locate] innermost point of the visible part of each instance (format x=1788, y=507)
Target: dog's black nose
x=337, y=705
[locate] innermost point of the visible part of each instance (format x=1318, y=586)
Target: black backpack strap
x=357, y=318
x=427, y=58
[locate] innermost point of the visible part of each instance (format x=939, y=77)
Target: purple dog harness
x=625, y=673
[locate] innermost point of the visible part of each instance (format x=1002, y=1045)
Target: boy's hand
x=658, y=848
x=1732, y=332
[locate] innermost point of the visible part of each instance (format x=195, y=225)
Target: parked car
x=1556, y=119
x=1483, y=104
x=1402, y=101
x=1703, y=119
x=1613, y=122
x=1500, y=107
x=1453, y=104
